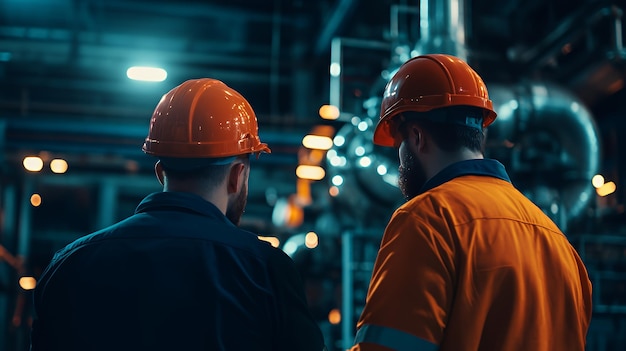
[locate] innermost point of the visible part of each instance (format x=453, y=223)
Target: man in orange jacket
x=467, y=263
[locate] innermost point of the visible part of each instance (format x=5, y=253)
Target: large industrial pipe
x=549, y=142
x=442, y=28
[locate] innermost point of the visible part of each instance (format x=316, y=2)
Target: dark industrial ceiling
x=63, y=88
x=67, y=58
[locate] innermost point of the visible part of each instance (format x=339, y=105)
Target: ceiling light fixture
x=146, y=74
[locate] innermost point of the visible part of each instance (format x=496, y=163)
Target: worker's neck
x=440, y=159
x=213, y=196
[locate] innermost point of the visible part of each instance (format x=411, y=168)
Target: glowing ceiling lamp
x=334, y=316
x=35, y=200
x=33, y=163
x=597, y=181
x=606, y=189
x=28, y=283
x=146, y=74
x=310, y=172
x=58, y=165
x=330, y=112
x=318, y=142
x=311, y=240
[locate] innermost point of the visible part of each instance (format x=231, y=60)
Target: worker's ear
x=421, y=140
x=160, y=174
x=416, y=137
x=236, y=176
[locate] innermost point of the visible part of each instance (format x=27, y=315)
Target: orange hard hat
x=203, y=118
x=429, y=82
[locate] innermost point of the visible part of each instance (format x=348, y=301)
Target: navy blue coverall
x=177, y=275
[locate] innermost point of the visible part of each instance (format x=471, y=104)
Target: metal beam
x=333, y=24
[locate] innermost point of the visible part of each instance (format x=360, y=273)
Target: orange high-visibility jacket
x=472, y=264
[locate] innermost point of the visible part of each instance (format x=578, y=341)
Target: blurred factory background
x=72, y=124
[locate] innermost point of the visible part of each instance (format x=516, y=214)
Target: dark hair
x=451, y=134
x=210, y=175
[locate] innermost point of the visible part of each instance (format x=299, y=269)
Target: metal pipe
x=9, y=205
x=336, y=64
x=442, y=25
x=564, y=168
x=107, y=203
x=275, y=62
x=394, y=19
x=618, y=43
x=24, y=231
x=347, y=283
x=332, y=24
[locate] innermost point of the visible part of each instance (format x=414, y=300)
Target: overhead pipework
x=544, y=134
x=442, y=28
x=548, y=140
x=365, y=175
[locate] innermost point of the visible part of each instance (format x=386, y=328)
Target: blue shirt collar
x=484, y=167
x=180, y=201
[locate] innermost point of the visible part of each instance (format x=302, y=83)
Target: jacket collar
x=484, y=167
x=180, y=201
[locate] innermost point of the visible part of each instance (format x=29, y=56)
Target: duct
x=364, y=174
x=442, y=28
x=548, y=140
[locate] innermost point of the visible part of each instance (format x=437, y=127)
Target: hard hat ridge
x=203, y=118
x=429, y=82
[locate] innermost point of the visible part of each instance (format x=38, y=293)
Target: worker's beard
x=411, y=177
x=235, y=210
